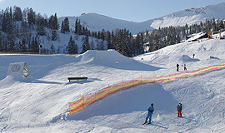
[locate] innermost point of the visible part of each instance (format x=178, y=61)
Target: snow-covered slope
x=62, y=42
x=191, y=16
x=38, y=103
x=97, y=22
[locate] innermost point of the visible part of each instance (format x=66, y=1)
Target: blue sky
x=131, y=10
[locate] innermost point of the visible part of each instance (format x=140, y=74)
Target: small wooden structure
x=210, y=33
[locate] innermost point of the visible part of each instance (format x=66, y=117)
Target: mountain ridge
x=97, y=22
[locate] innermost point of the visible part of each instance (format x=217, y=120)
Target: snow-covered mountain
x=191, y=16
x=97, y=22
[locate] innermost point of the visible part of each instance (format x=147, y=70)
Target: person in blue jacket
x=149, y=116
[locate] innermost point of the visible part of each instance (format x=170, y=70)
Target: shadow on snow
x=134, y=99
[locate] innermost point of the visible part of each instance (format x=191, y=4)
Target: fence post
x=83, y=101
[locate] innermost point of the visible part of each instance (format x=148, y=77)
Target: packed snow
x=39, y=102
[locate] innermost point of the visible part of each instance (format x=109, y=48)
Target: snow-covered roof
x=196, y=36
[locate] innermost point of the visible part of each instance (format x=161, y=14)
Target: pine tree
x=40, y=25
x=52, y=49
x=85, y=45
x=31, y=17
x=11, y=45
x=24, y=48
x=34, y=45
x=62, y=28
x=78, y=27
x=1, y=44
x=109, y=40
x=72, y=47
x=113, y=40
x=54, y=35
x=66, y=27
x=53, y=22
x=58, y=49
x=17, y=14
x=92, y=44
x=7, y=22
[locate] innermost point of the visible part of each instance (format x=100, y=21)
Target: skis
x=145, y=123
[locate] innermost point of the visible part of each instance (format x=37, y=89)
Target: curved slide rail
x=84, y=101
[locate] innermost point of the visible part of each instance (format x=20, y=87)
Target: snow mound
x=186, y=58
x=12, y=79
x=112, y=58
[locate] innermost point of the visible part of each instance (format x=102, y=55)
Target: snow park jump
x=84, y=101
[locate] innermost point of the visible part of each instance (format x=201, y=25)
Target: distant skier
x=185, y=68
x=149, y=116
x=179, y=109
x=177, y=67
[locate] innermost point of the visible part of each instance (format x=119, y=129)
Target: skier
x=149, y=116
x=185, y=68
x=179, y=109
x=177, y=67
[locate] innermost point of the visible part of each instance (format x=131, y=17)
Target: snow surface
x=38, y=103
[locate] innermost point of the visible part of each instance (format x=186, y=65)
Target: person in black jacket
x=185, y=68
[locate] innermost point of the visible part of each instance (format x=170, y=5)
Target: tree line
x=166, y=36
x=132, y=45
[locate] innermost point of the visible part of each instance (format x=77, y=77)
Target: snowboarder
x=177, y=67
x=185, y=68
x=179, y=109
x=149, y=116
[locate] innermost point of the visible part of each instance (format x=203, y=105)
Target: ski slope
x=38, y=103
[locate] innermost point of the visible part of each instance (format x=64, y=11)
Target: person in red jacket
x=179, y=109
x=177, y=67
